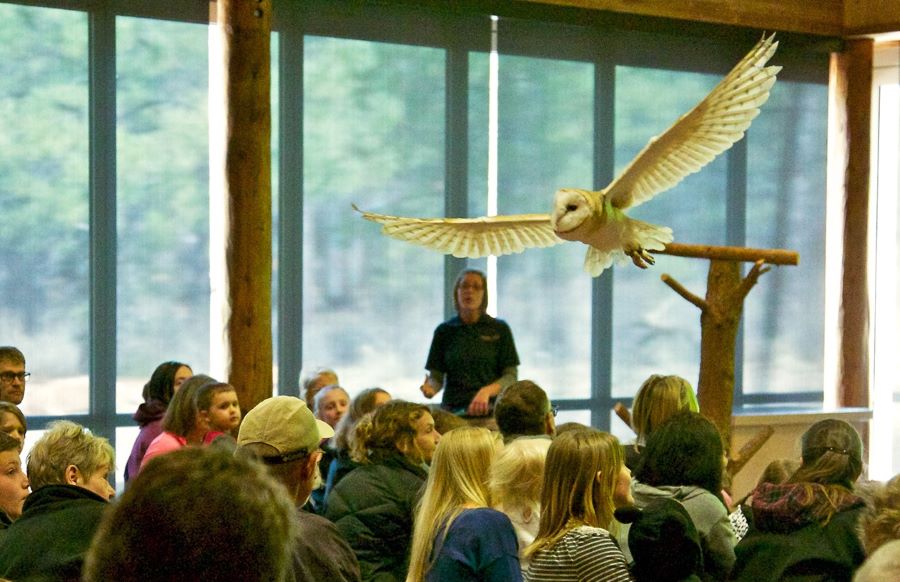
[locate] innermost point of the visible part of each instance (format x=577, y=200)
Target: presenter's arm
x=433, y=383
x=481, y=402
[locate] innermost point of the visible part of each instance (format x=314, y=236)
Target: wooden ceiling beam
x=841, y=18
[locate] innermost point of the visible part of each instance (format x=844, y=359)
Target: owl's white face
x=571, y=210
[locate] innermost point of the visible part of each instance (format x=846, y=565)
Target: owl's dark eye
x=571, y=207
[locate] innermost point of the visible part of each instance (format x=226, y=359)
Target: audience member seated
x=567, y=426
x=68, y=468
x=283, y=434
x=196, y=514
x=165, y=381
x=523, y=409
x=13, y=482
x=806, y=528
x=880, y=522
x=342, y=442
x=457, y=536
x=219, y=409
x=444, y=420
x=683, y=460
x=331, y=403
x=778, y=471
x=315, y=381
x=183, y=424
x=881, y=566
x=373, y=505
x=664, y=542
x=12, y=422
x=585, y=479
x=515, y=483
x=12, y=375
x=658, y=398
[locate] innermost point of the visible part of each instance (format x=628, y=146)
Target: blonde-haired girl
x=457, y=536
x=517, y=476
x=585, y=479
x=658, y=399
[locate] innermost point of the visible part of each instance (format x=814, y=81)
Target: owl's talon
x=641, y=258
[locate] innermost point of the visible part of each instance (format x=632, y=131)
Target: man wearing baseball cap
x=283, y=434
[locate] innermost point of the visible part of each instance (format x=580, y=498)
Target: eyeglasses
x=471, y=286
x=8, y=377
x=554, y=409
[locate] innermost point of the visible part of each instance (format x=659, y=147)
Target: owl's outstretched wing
x=700, y=135
x=470, y=237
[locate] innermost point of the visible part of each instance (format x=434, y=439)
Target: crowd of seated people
x=412, y=495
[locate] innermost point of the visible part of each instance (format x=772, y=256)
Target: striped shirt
x=582, y=555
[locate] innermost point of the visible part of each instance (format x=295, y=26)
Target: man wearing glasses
x=12, y=375
x=523, y=409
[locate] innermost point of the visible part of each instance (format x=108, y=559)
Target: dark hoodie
x=149, y=417
x=798, y=533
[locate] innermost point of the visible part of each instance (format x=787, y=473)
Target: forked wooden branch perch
x=750, y=448
x=622, y=412
x=682, y=290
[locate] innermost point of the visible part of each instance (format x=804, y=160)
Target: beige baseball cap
x=286, y=424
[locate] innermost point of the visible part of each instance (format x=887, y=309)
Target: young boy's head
x=218, y=406
x=13, y=482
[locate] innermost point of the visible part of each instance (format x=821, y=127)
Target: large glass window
x=365, y=113
x=545, y=141
x=784, y=313
x=44, y=196
x=162, y=200
x=373, y=135
x=655, y=331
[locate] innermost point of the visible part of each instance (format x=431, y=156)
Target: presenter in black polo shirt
x=473, y=356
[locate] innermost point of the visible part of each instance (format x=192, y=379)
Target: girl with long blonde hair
x=457, y=536
x=658, y=399
x=585, y=479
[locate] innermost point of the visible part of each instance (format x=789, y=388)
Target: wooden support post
x=246, y=26
x=853, y=88
x=720, y=314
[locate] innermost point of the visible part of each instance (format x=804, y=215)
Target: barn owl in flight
x=598, y=218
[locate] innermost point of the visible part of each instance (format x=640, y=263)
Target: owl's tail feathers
x=597, y=261
x=640, y=236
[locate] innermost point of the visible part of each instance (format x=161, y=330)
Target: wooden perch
x=771, y=256
x=682, y=290
x=750, y=448
x=622, y=412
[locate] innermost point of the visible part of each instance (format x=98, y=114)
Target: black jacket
x=787, y=542
x=373, y=508
x=52, y=536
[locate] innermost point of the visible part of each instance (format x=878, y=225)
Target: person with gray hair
x=68, y=469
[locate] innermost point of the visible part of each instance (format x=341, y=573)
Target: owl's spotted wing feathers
x=470, y=237
x=700, y=135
